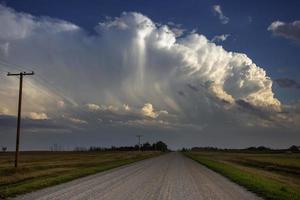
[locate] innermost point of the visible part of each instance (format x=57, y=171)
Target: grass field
x=271, y=176
x=41, y=169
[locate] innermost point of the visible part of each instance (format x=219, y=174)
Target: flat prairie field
x=42, y=169
x=274, y=176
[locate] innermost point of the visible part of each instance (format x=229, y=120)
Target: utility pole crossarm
x=21, y=73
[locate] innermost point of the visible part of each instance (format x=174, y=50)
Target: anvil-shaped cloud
x=129, y=70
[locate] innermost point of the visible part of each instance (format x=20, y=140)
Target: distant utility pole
x=139, y=137
x=21, y=74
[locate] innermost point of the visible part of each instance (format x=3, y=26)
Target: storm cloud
x=287, y=83
x=131, y=72
x=286, y=30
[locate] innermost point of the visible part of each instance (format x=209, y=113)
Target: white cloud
x=148, y=110
x=112, y=108
x=93, y=107
x=220, y=93
x=126, y=107
x=129, y=59
x=176, y=29
x=220, y=38
x=286, y=30
x=60, y=104
x=37, y=116
x=4, y=111
x=21, y=25
x=77, y=120
x=218, y=11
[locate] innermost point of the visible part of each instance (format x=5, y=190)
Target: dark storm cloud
x=286, y=30
x=181, y=93
x=7, y=121
x=245, y=105
x=10, y=122
x=195, y=89
x=287, y=83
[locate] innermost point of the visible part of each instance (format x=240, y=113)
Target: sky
x=189, y=73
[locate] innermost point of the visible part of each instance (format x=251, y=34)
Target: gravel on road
x=171, y=176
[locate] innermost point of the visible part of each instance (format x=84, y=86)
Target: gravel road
x=168, y=177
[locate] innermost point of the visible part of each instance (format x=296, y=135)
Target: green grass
x=256, y=172
x=42, y=169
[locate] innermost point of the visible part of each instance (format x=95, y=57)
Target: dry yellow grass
x=274, y=176
x=42, y=169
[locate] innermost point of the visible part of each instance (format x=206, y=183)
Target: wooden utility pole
x=139, y=137
x=21, y=74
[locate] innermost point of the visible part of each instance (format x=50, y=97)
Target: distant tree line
x=3, y=149
x=157, y=146
x=259, y=149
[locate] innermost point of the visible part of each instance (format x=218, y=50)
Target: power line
x=38, y=78
x=5, y=62
x=9, y=65
x=4, y=68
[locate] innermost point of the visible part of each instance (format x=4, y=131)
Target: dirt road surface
x=168, y=177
